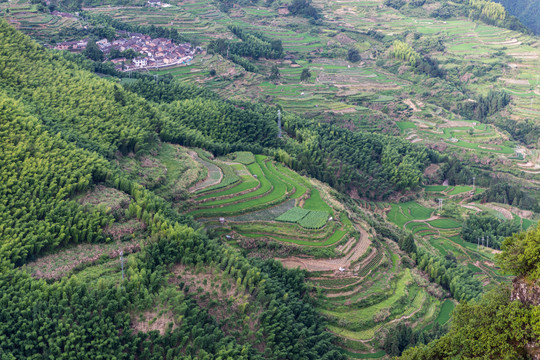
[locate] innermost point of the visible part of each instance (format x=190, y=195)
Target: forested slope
x=496, y=327
x=45, y=162
x=373, y=165
x=527, y=11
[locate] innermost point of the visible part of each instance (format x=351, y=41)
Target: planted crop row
x=338, y=235
x=292, y=231
x=299, y=182
x=266, y=186
x=329, y=283
x=372, y=264
x=445, y=224
x=314, y=220
x=247, y=183
x=294, y=215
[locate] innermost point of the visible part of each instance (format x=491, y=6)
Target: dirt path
x=472, y=207
x=208, y=181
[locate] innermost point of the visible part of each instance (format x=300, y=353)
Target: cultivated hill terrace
x=172, y=221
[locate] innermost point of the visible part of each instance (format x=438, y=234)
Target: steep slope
x=166, y=296
x=525, y=10
x=504, y=324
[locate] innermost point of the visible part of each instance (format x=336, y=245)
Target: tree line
x=254, y=45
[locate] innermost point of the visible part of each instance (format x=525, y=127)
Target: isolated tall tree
x=353, y=55
x=306, y=74
x=274, y=73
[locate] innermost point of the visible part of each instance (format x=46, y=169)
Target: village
x=151, y=53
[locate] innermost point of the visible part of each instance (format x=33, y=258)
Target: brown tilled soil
x=331, y=264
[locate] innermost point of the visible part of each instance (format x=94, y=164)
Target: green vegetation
x=446, y=310
x=402, y=213
x=293, y=215
x=314, y=219
x=407, y=94
x=444, y=224
x=488, y=227
x=460, y=189
x=244, y=157
x=46, y=163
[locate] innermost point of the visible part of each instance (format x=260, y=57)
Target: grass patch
x=404, y=125
x=446, y=312
x=436, y=188
x=315, y=202
x=445, y=224
x=244, y=157
x=460, y=189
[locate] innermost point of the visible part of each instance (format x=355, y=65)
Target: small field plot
x=460, y=189
x=446, y=312
x=445, y=224
x=316, y=219
x=436, y=188
x=400, y=214
x=294, y=215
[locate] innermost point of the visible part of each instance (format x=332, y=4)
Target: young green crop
x=293, y=215
x=314, y=220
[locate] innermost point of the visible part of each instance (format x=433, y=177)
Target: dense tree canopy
x=487, y=230
x=493, y=328
x=521, y=254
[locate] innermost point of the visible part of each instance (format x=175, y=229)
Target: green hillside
x=157, y=213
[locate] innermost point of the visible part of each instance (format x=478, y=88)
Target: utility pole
x=478, y=244
x=473, y=179
x=279, y=123
x=487, y=239
x=122, y=261
x=440, y=204
x=482, y=240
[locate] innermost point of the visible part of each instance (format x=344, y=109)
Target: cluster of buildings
x=152, y=53
x=72, y=45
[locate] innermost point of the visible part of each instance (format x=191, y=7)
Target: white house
x=140, y=61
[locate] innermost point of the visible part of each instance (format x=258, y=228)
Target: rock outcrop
x=528, y=293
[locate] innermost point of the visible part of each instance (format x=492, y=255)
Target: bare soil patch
x=155, y=319
x=412, y=105
x=57, y=265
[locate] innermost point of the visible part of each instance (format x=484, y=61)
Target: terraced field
x=272, y=211
x=441, y=235
x=43, y=26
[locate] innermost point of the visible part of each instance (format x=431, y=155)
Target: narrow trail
x=207, y=182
